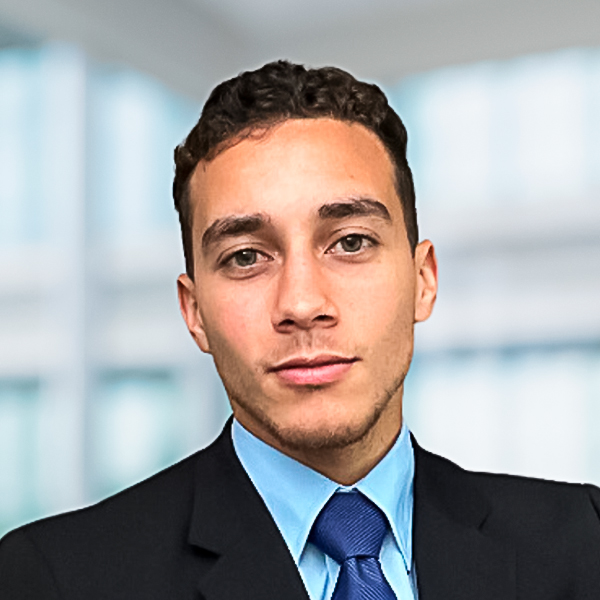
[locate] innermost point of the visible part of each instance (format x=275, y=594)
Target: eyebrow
x=233, y=226
x=354, y=207
x=236, y=225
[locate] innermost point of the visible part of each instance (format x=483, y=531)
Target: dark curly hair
x=255, y=101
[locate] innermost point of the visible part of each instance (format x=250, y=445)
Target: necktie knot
x=349, y=526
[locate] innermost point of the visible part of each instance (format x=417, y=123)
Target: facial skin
x=301, y=256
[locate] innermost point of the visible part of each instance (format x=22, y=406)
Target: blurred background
x=100, y=384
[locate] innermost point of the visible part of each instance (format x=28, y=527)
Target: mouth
x=316, y=370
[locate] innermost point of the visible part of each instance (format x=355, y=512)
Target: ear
x=426, y=280
x=188, y=305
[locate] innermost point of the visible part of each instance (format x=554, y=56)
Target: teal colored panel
x=134, y=429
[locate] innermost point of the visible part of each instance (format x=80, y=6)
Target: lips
x=317, y=370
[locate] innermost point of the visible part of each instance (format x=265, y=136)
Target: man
x=304, y=278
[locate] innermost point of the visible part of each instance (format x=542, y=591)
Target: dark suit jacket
x=199, y=530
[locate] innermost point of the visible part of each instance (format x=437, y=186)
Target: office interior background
x=100, y=383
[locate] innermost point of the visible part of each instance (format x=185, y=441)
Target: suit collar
x=295, y=494
x=231, y=523
x=455, y=558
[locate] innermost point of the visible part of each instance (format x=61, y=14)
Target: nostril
x=290, y=324
x=324, y=318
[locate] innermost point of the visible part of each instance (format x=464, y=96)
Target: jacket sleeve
x=24, y=573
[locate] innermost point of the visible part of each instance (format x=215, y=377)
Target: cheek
x=382, y=305
x=237, y=320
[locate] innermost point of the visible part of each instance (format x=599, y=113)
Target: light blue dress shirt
x=295, y=494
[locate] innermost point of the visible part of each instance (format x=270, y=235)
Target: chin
x=323, y=436
x=320, y=425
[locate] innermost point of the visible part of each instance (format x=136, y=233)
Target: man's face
x=305, y=290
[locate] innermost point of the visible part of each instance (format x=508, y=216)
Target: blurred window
x=100, y=384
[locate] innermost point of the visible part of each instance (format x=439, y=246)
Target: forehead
x=292, y=170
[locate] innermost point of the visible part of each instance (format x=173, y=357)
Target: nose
x=303, y=296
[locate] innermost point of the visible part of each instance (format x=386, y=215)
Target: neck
x=344, y=464
x=352, y=463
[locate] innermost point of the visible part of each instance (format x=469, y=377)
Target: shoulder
x=144, y=527
x=544, y=534
x=140, y=505
x=517, y=507
x=533, y=496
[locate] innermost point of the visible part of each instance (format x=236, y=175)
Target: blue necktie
x=350, y=529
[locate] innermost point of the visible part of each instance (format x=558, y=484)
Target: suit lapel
x=231, y=523
x=455, y=559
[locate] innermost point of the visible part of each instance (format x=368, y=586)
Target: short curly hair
x=255, y=101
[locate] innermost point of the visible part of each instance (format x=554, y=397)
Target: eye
x=244, y=261
x=352, y=244
x=244, y=258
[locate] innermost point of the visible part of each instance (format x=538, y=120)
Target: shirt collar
x=295, y=493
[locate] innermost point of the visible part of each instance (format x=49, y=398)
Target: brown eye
x=245, y=258
x=351, y=243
